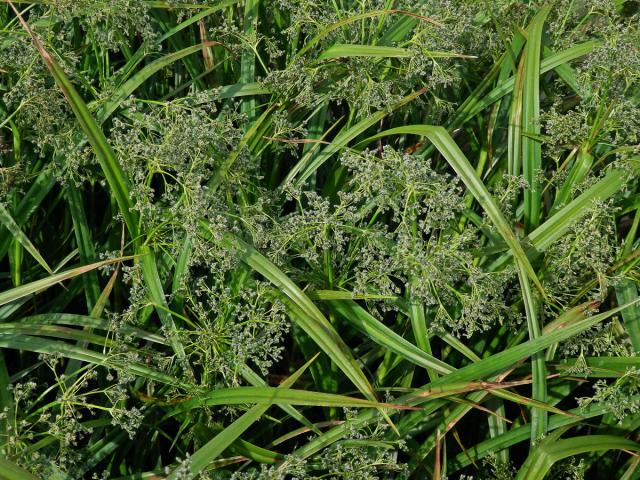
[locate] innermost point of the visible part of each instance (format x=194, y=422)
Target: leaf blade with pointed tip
x=10, y=224
x=214, y=447
x=26, y=289
x=531, y=147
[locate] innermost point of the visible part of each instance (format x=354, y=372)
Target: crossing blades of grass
x=560, y=223
x=520, y=434
x=39, y=285
x=255, y=380
x=10, y=224
x=127, y=88
x=214, y=447
x=11, y=471
x=482, y=369
x=579, y=171
x=546, y=65
x=412, y=18
x=362, y=320
x=340, y=141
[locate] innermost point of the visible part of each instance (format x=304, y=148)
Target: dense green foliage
x=338, y=239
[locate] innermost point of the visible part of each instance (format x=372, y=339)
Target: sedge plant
x=337, y=239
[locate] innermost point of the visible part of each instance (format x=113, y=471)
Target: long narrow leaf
x=111, y=168
x=127, y=88
x=34, y=287
x=10, y=224
x=531, y=147
x=379, y=333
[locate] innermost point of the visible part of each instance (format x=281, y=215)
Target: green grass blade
x=498, y=426
x=179, y=273
x=274, y=395
x=40, y=345
x=626, y=292
x=127, y=88
x=328, y=295
x=37, y=286
x=10, y=224
x=342, y=50
x=531, y=147
x=241, y=90
x=6, y=404
x=115, y=178
x=420, y=331
x=538, y=368
x=514, y=133
x=601, y=367
x=92, y=322
x=214, y=447
x=85, y=245
x=154, y=286
x=359, y=318
x=54, y=331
